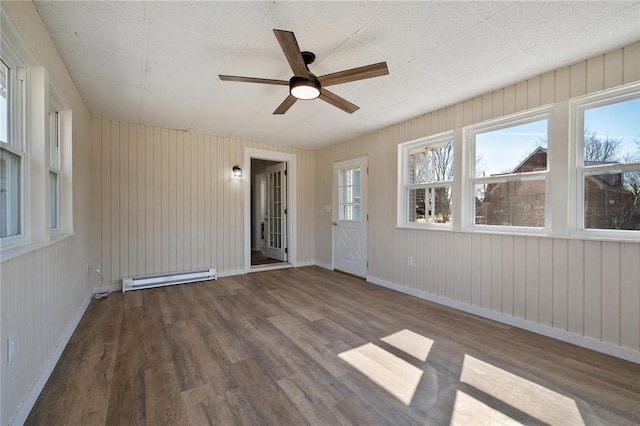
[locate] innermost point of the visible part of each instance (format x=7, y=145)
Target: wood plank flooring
x=296, y=346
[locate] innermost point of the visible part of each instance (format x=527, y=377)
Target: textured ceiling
x=158, y=62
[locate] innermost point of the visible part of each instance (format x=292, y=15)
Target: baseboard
x=231, y=273
x=324, y=265
x=305, y=263
x=43, y=376
x=565, y=336
x=107, y=289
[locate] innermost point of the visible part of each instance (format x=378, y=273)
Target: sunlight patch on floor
x=410, y=342
x=469, y=411
x=393, y=374
x=537, y=401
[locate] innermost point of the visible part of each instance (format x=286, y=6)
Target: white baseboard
x=324, y=265
x=231, y=273
x=43, y=376
x=565, y=336
x=107, y=288
x=305, y=263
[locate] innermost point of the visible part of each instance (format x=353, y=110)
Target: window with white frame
x=54, y=168
x=608, y=162
x=508, y=173
x=11, y=144
x=426, y=181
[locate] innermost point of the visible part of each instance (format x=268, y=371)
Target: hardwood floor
x=304, y=346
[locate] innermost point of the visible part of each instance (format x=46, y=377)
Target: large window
x=426, y=181
x=608, y=172
x=509, y=167
x=11, y=144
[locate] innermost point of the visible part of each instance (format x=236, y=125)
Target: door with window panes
x=350, y=216
x=276, y=219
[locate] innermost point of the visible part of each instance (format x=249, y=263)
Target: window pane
x=431, y=163
x=350, y=212
x=53, y=205
x=612, y=133
x=430, y=205
x=4, y=103
x=516, y=149
x=349, y=195
x=9, y=194
x=511, y=203
x=53, y=140
x=612, y=201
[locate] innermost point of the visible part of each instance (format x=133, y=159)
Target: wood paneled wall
x=586, y=288
x=164, y=200
x=43, y=292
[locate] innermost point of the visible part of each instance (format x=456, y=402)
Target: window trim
x=470, y=180
x=578, y=106
x=402, y=216
x=16, y=143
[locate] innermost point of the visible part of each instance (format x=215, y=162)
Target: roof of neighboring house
x=602, y=180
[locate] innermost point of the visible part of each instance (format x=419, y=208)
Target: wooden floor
x=305, y=346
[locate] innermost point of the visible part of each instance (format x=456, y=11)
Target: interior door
x=350, y=216
x=276, y=215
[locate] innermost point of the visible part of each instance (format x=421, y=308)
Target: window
x=608, y=167
x=349, y=208
x=509, y=170
x=426, y=181
x=11, y=144
x=54, y=169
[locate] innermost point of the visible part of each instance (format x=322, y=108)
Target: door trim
x=291, y=160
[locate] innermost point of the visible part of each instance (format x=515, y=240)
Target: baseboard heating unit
x=151, y=281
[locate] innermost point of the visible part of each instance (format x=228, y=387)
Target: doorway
x=269, y=210
x=350, y=216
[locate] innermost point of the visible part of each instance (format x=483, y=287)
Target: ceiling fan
x=305, y=85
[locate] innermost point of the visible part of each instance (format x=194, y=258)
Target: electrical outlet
x=410, y=261
x=11, y=348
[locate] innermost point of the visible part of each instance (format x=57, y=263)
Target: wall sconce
x=236, y=171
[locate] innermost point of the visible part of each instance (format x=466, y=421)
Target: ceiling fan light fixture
x=303, y=88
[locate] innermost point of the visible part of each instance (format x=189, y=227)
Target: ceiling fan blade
x=253, y=80
x=338, y=102
x=354, y=74
x=285, y=105
x=292, y=52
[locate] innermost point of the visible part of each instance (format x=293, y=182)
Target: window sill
x=11, y=252
x=612, y=236
x=426, y=226
x=604, y=235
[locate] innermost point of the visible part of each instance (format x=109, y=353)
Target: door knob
x=335, y=223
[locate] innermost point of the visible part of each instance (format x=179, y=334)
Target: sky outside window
x=620, y=121
x=500, y=151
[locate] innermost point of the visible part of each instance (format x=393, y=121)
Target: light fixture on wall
x=236, y=171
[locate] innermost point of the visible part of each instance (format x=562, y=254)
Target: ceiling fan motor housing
x=308, y=57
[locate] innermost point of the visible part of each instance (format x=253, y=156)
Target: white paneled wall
x=164, y=201
x=44, y=292
x=564, y=287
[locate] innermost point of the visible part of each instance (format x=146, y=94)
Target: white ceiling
x=158, y=62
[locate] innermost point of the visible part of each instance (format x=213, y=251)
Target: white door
x=350, y=216
x=276, y=215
